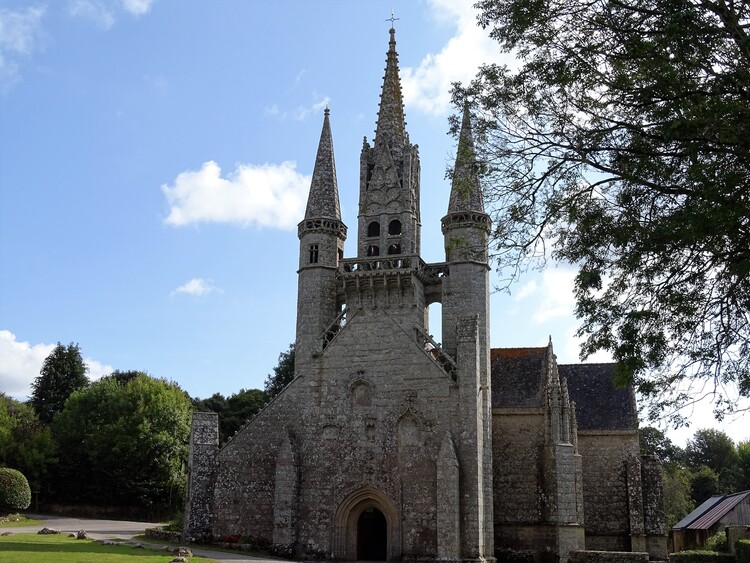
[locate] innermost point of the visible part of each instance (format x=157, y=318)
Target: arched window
x=373, y=250
x=373, y=229
x=394, y=249
x=394, y=227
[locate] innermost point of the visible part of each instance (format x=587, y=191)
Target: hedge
x=701, y=557
x=742, y=549
x=15, y=493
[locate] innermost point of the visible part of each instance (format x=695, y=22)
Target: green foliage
x=655, y=442
x=15, y=493
x=233, y=411
x=717, y=542
x=716, y=450
x=704, y=483
x=677, y=494
x=62, y=373
x=621, y=142
x=124, y=442
x=26, y=443
x=743, y=466
x=282, y=374
x=742, y=551
x=700, y=556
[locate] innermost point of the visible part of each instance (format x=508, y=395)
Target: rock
x=178, y=560
x=182, y=552
x=47, y=531
x=71, y=535
x=6, y=534
x=137, y=546
x=82, y=535
x=107, y=542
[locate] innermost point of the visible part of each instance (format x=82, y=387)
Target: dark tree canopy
x=62, y=373
x=282, y=374
x=233, y=411
x=621, y=144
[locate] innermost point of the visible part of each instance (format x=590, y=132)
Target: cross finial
x=392, y=19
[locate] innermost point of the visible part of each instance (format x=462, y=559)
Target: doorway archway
x=367, y=527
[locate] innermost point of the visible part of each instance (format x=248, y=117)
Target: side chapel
x=388, y=446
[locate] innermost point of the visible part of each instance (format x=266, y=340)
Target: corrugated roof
x=711, y=511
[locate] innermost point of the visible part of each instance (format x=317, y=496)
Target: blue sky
x=155, y=157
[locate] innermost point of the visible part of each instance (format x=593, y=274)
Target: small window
x=394, y=227
x=373, y=250
x=373, y=229
x=313, y=254
x=394, y=249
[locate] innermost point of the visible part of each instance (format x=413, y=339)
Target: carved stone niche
x=361, y=393
x=408, y=430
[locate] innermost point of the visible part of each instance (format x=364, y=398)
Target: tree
x=233, y=411
x=677, y=494
x=743, y=473
x=124, y=442
x=621, y=144
x=704, y=483
x=282, y=374
x=714, y=449
x=26, y=443
x=62, y=373
x=655, y=442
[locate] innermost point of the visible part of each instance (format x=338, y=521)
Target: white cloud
x=19, y=35
x=557, y=299
x=137, y=7
x=21, y=362
x=97, y=12
x=301, y=112
x=267, y=195
x=196, y=287
x=427, y=87
x=527, y=289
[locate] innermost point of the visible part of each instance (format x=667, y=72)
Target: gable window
x=373, y=229
x=313, y=254
x=394, y=227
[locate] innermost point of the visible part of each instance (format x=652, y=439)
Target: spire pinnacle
x=391, y=126
x=466, y=193
x=323, y=200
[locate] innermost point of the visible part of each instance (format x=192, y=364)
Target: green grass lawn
x=13, y=520
x=35, y=548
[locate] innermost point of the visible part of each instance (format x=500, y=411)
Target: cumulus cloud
x=267, y=195
x=19, y=36
x=99, y=13
x=21, y=362
x=556, y=292
x=196, y=287
x=301, y=112
x=427, y=87
x=137, y=7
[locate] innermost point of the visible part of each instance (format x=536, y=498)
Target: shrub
x=717, y=542
x=742, y=548
x=701, y=557
x=15, y=493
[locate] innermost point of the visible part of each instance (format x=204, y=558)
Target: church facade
x=387, y=446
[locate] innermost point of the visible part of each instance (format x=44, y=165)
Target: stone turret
x=322, y=235
x=389, y=221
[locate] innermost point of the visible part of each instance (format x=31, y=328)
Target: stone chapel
x=388, y=446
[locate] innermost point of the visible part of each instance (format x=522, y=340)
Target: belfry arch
x=359, y=526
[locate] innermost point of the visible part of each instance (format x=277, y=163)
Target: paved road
x=104, y=529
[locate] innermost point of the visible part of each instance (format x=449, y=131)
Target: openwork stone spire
x=323, y=200
x=466, y=193
x=391, y=127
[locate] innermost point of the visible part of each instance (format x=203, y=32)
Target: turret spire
x=466, y=193
x=391, y=127
x=323, y=200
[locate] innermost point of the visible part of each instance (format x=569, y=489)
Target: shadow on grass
x=71, y=545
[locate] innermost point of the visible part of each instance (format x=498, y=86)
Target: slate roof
x=323, y=200
x=517, y=376
x=599, y=404
x=466, y=192
x=710, y=512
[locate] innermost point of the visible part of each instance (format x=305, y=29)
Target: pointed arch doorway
x=367, y=527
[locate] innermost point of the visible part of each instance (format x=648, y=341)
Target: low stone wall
x=162, y=534
x=585, y=556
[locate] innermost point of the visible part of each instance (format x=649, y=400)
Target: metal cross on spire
x=392, y=19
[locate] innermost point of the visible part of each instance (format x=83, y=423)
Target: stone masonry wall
x=605, y=487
